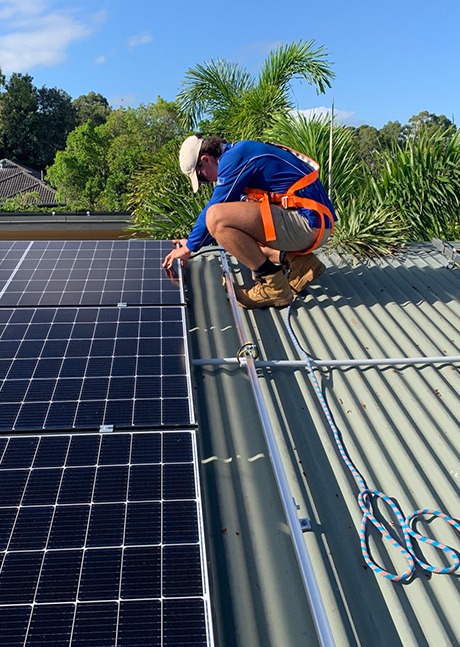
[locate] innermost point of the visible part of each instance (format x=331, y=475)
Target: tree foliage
x=95, y=169
x=311, y=136
x=427, y=123
x=396, y=184
x=34, y=123
x=421, y=182
x=91, y=107
x=21, y=202
x=161, y=199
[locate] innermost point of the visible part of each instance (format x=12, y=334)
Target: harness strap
x=289, y=200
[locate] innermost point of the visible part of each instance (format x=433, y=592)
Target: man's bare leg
x=238, y=228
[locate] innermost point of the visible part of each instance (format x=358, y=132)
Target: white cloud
x=340, y=116
x=140, y=39
x=33, y=35
x=17, y=9
x=100, y=60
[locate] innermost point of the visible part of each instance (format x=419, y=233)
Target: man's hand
x=182, y=253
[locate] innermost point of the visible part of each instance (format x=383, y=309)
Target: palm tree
x=240, y=106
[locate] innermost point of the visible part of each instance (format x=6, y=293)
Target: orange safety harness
x=289, y=200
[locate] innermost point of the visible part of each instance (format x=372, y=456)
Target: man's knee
x=214, y=218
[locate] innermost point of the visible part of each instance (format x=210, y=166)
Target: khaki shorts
x=293, y=233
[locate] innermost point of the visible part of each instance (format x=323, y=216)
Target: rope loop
x=447, y=550
x=365, y=500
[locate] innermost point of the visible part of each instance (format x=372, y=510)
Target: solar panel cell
x=60, y=576
x=183, y=623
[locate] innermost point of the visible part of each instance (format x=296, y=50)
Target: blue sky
x=392, y=60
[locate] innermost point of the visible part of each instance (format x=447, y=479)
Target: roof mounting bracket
x=248, y=349
x=449, y=251
x=106, y=429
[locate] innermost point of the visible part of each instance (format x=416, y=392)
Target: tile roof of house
x=399, y=425
x=16, y=179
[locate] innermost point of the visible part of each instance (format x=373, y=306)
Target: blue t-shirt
x=252, y=164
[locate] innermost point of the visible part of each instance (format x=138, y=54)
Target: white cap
x=188, y=159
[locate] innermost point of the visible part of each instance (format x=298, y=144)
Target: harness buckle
x=285, y=202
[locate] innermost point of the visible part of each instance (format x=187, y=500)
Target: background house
x=16, y=179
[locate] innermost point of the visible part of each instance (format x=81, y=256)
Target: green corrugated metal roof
x=399, y=425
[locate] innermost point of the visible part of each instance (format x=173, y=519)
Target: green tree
x=55, y=119
x=368, y=145
x=79, y=172
x=95, y=169
x=92, y=107
x=391, y=135
x=426, y=123
x=34, y=122
x=18, y=110
x=238, y=105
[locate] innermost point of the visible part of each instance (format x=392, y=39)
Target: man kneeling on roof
x=268, y=209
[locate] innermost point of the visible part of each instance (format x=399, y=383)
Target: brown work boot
x=302, y=269
x=269, y=290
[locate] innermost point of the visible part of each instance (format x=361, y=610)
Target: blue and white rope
x=365, y=499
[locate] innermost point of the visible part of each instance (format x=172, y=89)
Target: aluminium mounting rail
x=333, y=363
x=318, y=611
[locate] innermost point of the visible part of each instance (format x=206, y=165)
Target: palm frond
x=161, y=199
x=298, y=59
x=421, y=181
x=366, y=231
x=215, y=85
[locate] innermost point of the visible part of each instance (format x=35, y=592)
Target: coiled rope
x=366, y=497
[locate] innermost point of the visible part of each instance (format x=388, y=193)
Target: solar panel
x=82, y=368
x=86, y=273
x=101, y=541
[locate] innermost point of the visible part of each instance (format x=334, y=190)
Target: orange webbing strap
x=289, y=200
x=267, y=218
x=323, y=212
